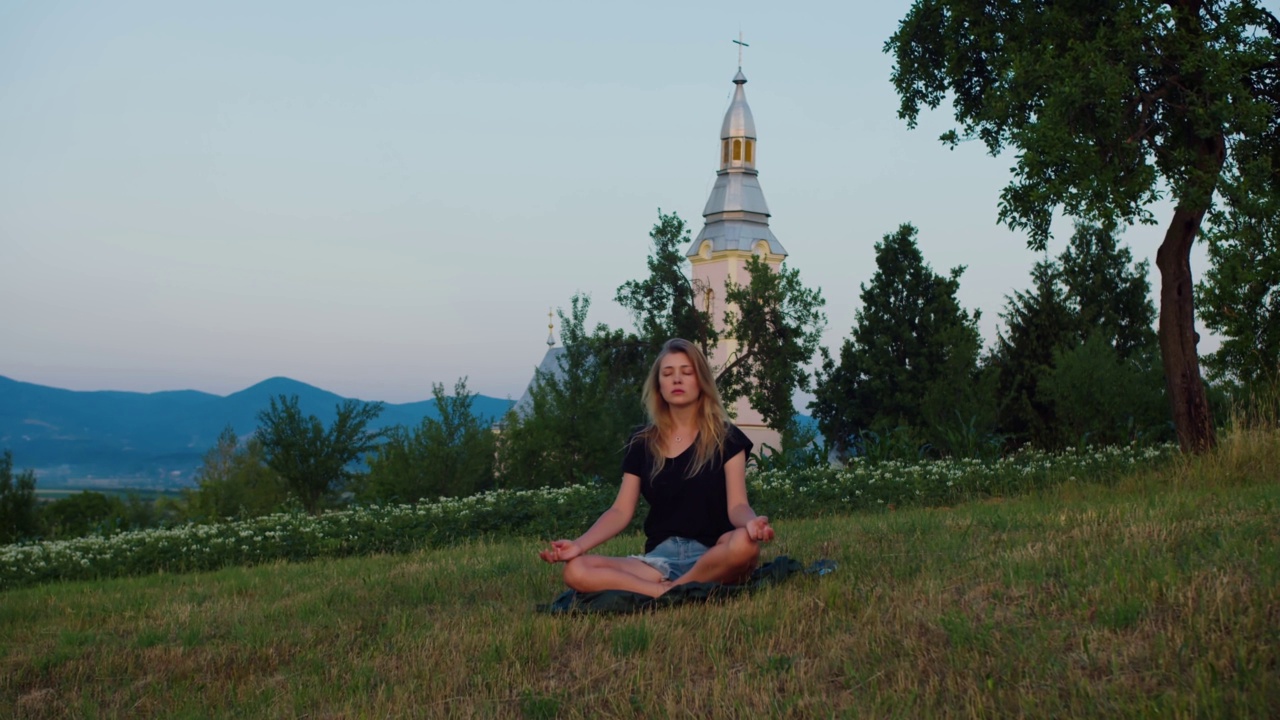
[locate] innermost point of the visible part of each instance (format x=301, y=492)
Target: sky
x=375, y=197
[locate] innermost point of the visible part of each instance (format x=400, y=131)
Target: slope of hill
x=1151, y=595
x=111, y=439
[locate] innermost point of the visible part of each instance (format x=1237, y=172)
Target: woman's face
x=677, y=380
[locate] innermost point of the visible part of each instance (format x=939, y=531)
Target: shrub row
x=545, y=514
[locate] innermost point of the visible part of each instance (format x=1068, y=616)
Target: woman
x=690, y=464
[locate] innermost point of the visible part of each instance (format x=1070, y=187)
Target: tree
x=1110, y=105
x=82, y=514
x=1241, y=293
x=664, y=304
x=1111, y=298
x=18, y=518
x=1093, y=290
x=1102, y=398
x=1039, y=325
x=581, y=417
x=313, y=461
x=774, y=321
x=452, y=456
x=234, y=481
x=912, y=349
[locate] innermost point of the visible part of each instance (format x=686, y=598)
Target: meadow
x=1153, y=592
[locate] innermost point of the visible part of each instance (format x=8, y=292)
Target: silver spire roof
x=737, y=120
x=737, y=216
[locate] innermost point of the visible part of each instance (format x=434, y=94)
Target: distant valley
x=110, y=439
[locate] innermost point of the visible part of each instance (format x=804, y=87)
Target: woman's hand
x=565, y=550
x=758, y=529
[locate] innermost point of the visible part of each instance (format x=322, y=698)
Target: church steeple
x=737, y=216
x=738, y=131
x=736, y=230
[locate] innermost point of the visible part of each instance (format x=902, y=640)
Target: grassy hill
x=1157, y=597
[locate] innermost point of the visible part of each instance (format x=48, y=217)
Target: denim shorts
x=674, y=556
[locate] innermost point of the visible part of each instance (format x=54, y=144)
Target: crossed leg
x=589, y=573
x=729, y=561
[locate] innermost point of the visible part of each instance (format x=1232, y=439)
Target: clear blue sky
x=372, y=197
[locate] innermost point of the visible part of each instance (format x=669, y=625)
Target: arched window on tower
x=725, y=156
x=737, y=149
x=749, y=146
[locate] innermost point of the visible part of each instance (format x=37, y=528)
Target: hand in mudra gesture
x=561, y=551
x=759, y=529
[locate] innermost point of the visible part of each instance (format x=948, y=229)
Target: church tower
x=737, y=227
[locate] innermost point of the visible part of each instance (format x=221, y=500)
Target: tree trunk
x=1178, y=337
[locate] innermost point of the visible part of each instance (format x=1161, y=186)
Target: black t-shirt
x=691, y=507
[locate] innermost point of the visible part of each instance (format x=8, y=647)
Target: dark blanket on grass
x=621, y=601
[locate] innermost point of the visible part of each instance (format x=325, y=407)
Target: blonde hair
x=712, y=419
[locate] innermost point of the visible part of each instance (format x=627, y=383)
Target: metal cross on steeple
x=740, y=45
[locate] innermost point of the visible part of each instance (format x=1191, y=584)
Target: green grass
x=1157, y=596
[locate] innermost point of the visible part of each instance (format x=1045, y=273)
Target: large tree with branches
x=1111, y=105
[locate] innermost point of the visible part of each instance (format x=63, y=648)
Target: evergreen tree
x=18, y=517
x=1110, y=293
x=1038, y=325
x=1092, y=292
x=452, y=456
x=912, y=347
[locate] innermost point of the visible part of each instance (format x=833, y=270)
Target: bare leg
x=589, y=573
x=729, y=561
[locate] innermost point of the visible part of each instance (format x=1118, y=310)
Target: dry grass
x=1157, y=597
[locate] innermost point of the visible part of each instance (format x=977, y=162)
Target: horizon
x=295, y=381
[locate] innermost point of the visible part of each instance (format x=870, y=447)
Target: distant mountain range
x=155, y=440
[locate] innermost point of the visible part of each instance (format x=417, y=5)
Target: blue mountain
x=128, y=439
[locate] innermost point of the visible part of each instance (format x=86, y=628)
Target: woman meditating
x=690, y=465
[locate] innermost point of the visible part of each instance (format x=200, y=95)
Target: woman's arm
x=613, y=521
x=740, y=512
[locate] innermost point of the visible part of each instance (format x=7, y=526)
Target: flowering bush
x=545, y=513
x=871, y=485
